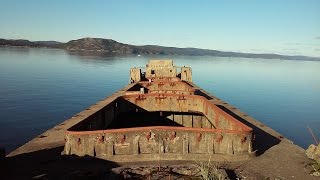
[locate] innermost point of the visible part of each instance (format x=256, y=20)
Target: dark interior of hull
x=144, y=119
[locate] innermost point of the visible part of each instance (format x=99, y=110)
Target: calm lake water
x=42, y=87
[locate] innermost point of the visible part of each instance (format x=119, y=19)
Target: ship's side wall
x=160, y=68
x=100, y=119
x=186, y=103
x=167, y=143
x=163, y=86
x=186, y=74
x=103, y=117
x=135, y=75
x=214, y=133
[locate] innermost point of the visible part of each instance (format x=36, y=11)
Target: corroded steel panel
x=157, y=140
x=199, y=127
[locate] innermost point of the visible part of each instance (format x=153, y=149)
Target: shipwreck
x=161, y=115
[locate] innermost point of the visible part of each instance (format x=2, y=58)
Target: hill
x=27, y=43
x=112, y=47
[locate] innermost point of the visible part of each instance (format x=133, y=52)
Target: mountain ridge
x=112, y=47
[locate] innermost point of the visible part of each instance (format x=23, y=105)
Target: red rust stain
x=101, y=139
x=163, y=128
x=122, y=138
x=148, y=136
x=243, y=139
x=199, y=136
x=219, y=138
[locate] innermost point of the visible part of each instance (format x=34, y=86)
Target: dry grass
x=209, y=170
x=315, y=165
x=316, y=168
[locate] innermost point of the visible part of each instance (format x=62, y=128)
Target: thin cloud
x=304, y=44
x=318, y=37
x=258, y=50
x=290, y=49
x=292, y=43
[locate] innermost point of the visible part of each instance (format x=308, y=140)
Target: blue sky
x=272, y=26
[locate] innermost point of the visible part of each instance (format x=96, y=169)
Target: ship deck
x=276, y=156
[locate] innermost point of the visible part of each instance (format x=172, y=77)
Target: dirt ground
x=282, y=161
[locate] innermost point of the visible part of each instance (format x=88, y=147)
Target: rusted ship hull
x=161, y=117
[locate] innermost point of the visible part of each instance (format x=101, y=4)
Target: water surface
x=42, y=87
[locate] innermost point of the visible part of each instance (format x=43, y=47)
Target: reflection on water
x=42, y=87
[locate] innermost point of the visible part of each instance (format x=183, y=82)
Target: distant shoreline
x=109, y=47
